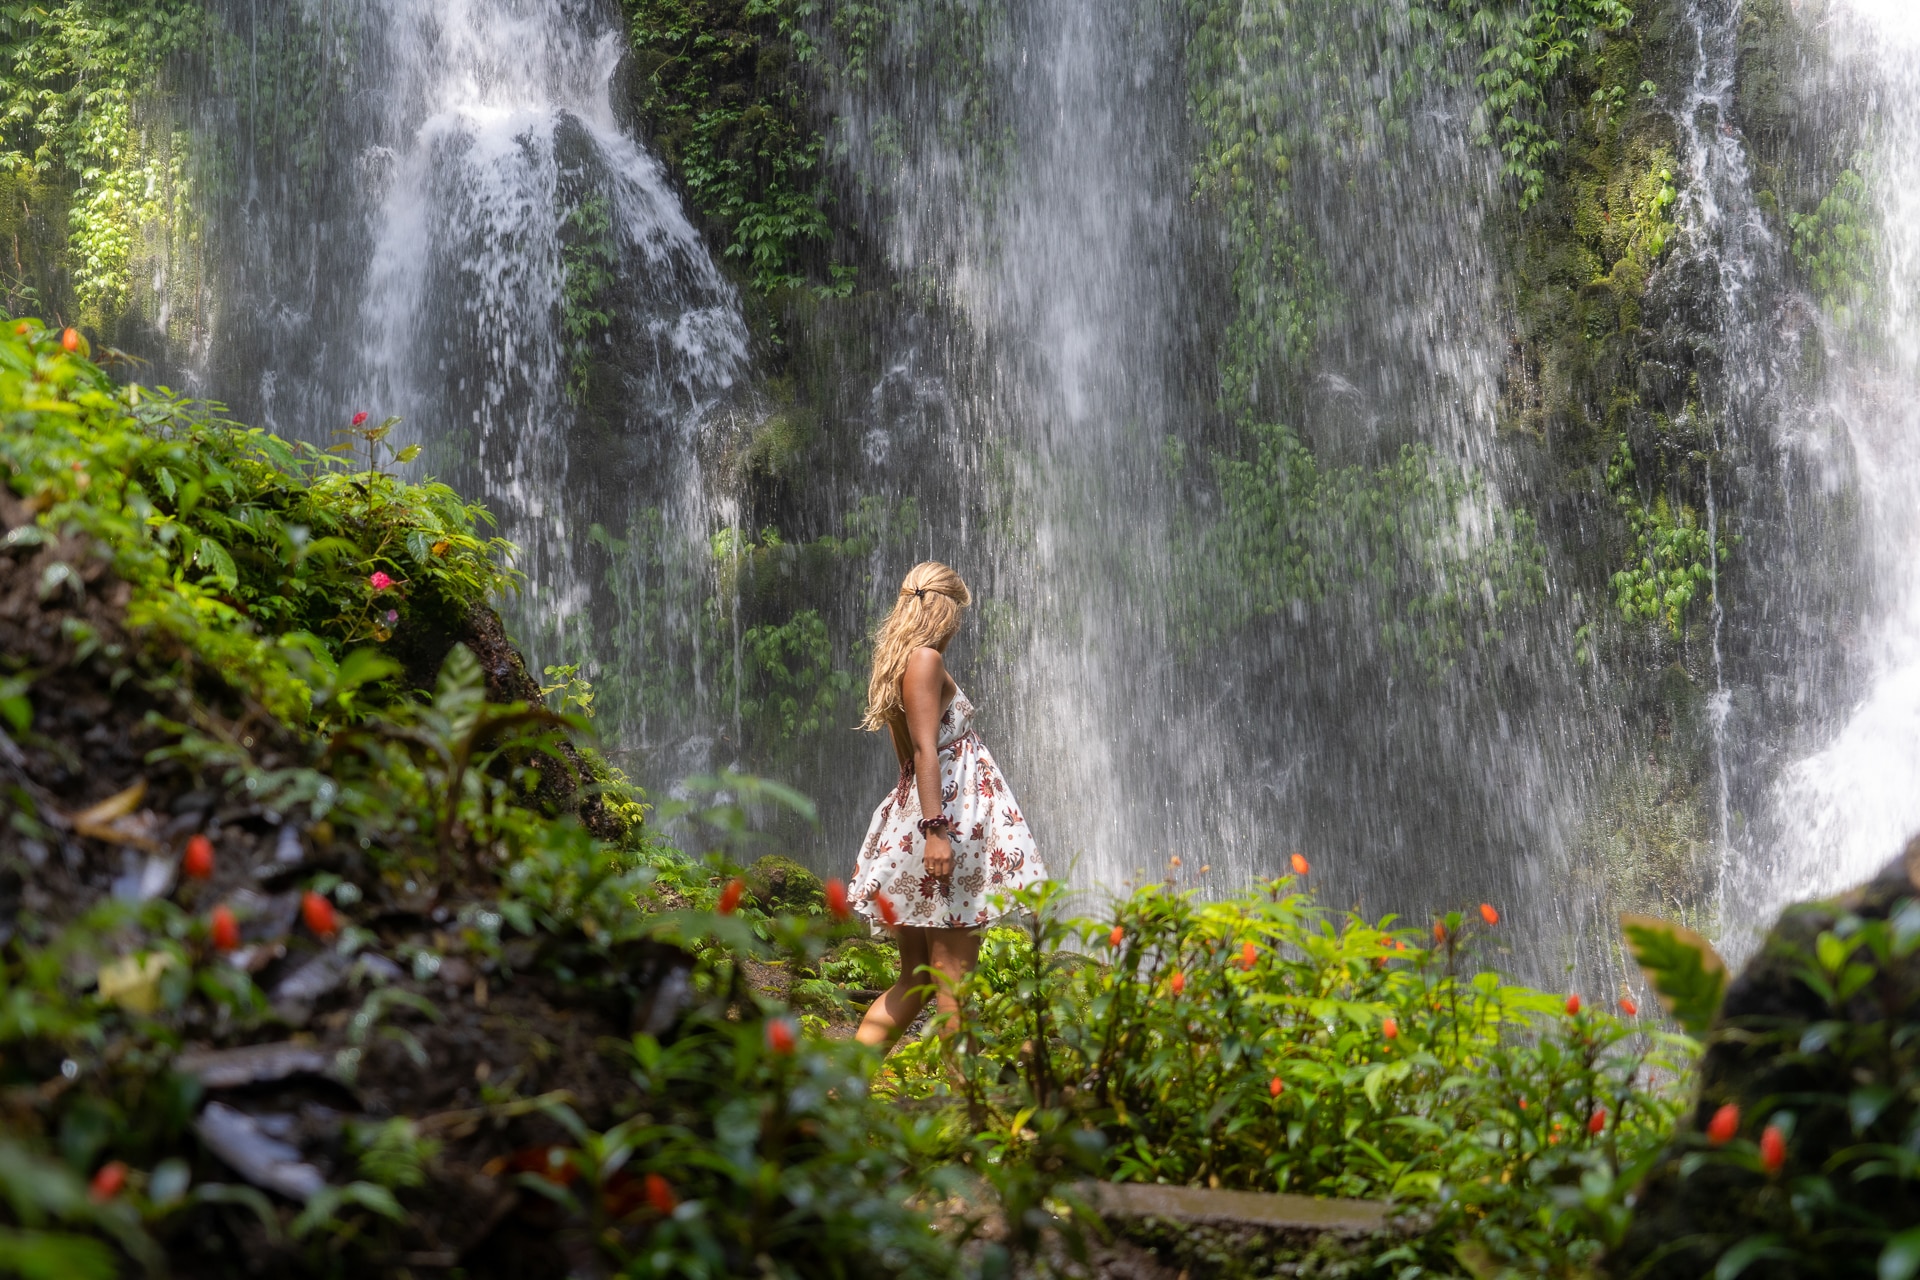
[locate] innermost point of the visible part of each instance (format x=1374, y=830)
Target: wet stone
x=254, y=1064
x=244, y=1144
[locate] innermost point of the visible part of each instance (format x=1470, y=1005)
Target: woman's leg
x=952, y=953
x=901, y=1003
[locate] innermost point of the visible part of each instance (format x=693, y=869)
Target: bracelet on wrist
x=942, y=824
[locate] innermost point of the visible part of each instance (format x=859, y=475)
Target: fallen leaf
x=114, y=806
x=133, y=982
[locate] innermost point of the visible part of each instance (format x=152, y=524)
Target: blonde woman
x=950, y=836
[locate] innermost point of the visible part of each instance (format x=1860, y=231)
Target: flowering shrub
x=267, y=559
x=1346, y=1058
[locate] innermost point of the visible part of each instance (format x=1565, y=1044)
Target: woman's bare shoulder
x=926, y=658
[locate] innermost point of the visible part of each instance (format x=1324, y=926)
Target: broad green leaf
x=1688, y=975
x=1900, y=1260
x=1736, y=1260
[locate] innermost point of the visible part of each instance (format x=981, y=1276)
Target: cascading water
x=1260, y=568
x=501, y=133
x=484, y=230
x=1060, y=226
x=1840, y=811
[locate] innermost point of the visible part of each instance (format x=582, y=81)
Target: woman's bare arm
x=923, y=690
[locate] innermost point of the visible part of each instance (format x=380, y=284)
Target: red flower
x=360, y=419
x=1597, y=1121
x=378, y=580
x=1725, y=1123
x=1628, y=1007
x=197, y=863
x=1299, y=864
x=884, y=905
x=1773, y=1149
x=1390, y=1028
x=1116, y=937
x=1248, y=954
x=1488, y=913
x=223, y=928
x=837, y=900
x=660, y=1195
x=1178, y=982
x=780, y=1037
x=318, y=913
x=106, y=1184
x=70, y=340
x=1523, y=1104
x=1573, y=1006
x=1275, y=1088
x=1439, y=931
x=730, y=896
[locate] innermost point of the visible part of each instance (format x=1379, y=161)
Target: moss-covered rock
x=781, y=885
x=1819, y=1042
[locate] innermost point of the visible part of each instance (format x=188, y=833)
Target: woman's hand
x=939, y=858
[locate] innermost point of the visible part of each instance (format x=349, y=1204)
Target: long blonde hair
x=927, y=612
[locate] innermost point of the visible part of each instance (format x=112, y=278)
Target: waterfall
x=1070, y=344
x=1076, y=357
x=1847, y=805
x=473, y=240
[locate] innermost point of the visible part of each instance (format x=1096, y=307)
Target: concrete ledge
x=1236, y=1208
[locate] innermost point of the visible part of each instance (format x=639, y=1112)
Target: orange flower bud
x=1773, y=1149
x=318, y=914
x=1114, y=939
x=106, y=1184
x=1628, y=1007
x=197, y=863
x=1248, y=955
x=1390, y=1028
x=1597, y=1121
x=780, y=1037
x=70, y=340
x=884, y=905
x=730, y=896
x=660, y=1195
x=1573, y=1006
x=1725, y=1123
x=1178, y=982
x=1299, y=865
x=837, y=900
x=1488, y=913
x=1275, y=1088
x=223, y=928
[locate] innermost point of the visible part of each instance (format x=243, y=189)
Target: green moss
x=783, y=886
x=720, y=85
x=587, y=258
x=78, y=80
x=1836, y=246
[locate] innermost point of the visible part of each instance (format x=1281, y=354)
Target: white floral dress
x=993, y=851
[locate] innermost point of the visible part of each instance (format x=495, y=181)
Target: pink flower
x=393, y=616
x=360, y=419
x=379, y=580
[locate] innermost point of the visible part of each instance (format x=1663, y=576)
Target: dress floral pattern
x=993, y=851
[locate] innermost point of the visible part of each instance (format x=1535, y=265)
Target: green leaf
x=213, y=557
x=407, y=454
x=1686, y=972
x=1900, y=1260
x=53, y=1255
x=1743, y=1255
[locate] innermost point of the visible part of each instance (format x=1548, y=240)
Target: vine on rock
x=72, y=79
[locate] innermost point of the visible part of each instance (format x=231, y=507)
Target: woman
x=950, y=837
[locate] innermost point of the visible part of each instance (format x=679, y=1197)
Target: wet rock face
x=1819, y=1041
